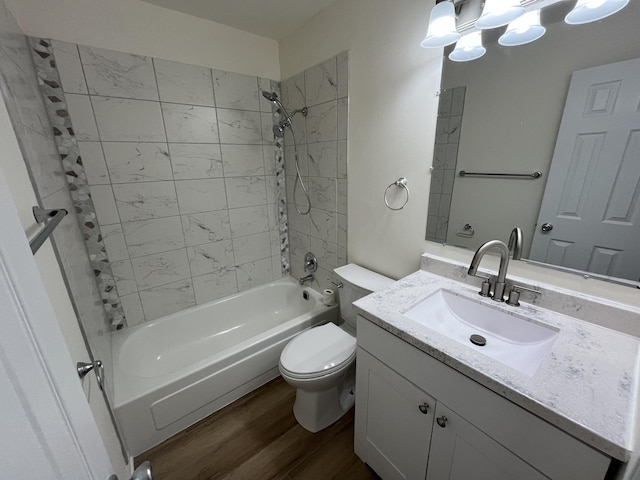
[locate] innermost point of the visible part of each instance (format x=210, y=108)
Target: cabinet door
x=394, y=420
x=459, y=451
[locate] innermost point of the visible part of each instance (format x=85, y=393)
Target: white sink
x=511, y=339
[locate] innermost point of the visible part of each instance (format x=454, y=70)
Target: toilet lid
x=317, y=350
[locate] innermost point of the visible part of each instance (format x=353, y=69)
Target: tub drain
x=478, y=340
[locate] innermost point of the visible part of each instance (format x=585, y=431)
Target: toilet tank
x=357, y=282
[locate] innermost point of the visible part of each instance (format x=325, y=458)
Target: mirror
x=502, y=114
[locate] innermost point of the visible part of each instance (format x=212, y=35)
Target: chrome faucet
x=500, y=284
x=515, y=243
x=308, y=278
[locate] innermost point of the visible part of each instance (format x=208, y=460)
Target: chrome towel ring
x=401, y=183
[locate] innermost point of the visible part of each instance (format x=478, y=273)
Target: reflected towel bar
x=464, y=173
x=41, y=214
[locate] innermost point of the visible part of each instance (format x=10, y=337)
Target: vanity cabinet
x=417, y=418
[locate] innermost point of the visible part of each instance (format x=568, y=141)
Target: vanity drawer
x=553, y=452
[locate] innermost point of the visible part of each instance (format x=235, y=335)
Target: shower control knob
x=424, y=408
x=546, y=227
x=442, y=421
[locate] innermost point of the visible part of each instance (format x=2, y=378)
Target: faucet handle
x=514, y=294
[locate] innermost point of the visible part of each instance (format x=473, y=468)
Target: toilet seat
x=318, y=352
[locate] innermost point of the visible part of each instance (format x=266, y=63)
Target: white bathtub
x=174, y=371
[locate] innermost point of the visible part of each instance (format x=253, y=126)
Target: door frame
x=39, y=378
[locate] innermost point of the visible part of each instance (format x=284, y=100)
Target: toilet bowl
x=320, y=362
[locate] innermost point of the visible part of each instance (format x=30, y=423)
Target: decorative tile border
x=55, y=103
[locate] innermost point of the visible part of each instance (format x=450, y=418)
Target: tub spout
x=308, y=278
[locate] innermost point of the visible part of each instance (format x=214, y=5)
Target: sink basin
x=509, y=338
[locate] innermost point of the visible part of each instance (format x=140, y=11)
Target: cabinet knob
x=424, y=408
x=442, y=421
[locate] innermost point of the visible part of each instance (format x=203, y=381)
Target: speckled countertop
x=586, y=385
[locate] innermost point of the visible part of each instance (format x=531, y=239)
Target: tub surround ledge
x=586, y=385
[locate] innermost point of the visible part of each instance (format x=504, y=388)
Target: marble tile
x=272, y=188
x=105, y=205
x=118, y=74
x=234, y=90
x=183, y=83
x=137, y=162
x=215, y=285
x=343, y=74
x=276, y=267
x=451, y=156
x=113, y=238
x=342, y=257
x=210, y=257
x=299, y=244
x=69, y=67
x=201, y=195
x=252, y=247
x=434, y=204
x=273, y=214
x=246, y=191
x=123, y=275
x=161, y=268
x=124, y=120
x=264, y=85
x=167, y=299
x=242, y=160
x=297, y=222
x=192, y=161
x=457, y=100
x=325, y=252
x=439, y=155
x=299, y=123
x=132, y=309
x=444, y=103
x=342, y=196
x=82, y=118
x=293, y=95
x=322, y=123
x=455, y=125
x=342, y=159
x=323, y=193
x=95, y=167
x=207, y=227
x=141, y=201
x=297, y=267
x=266, y=121
x=290, y=160
x=249, y=220
x=269, y=155
x=323, y=225
x=343, y=118
x=190, y=124
x=321, y=83
x=253, y=274
x=239, y=127
x=274, y=235
x=153, y=236
x=323, y=159
x=342, y=230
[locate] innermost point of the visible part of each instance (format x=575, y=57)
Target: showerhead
x=272, y=97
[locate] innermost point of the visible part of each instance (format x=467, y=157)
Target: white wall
x=392, y=110
x=142, y=28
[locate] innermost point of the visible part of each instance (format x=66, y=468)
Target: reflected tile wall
x=321, y=140
x=187, y=181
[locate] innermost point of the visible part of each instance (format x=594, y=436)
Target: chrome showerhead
x=271, y=96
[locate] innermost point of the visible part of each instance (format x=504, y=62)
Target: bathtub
x=174, y=371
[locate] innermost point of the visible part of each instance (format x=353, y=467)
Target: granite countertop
x=586, y=385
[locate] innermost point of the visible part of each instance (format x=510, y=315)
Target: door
x=459, y=451
x=592, y=197
x=394, y=420
x=46, y=427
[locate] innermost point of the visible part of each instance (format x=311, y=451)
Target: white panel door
x=592, y=196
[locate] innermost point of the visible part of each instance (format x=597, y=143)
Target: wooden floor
x=257, y=437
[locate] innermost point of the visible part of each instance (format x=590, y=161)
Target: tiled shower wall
x=181, y=165
x=321, y=138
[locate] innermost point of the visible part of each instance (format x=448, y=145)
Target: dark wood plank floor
x=257, y=437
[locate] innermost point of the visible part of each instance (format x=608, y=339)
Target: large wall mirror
x=522, y=110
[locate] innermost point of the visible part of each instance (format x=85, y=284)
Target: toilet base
x=315, y=411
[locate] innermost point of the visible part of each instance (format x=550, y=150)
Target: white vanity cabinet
x=417, y=418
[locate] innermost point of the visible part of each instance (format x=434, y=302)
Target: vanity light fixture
x=522, y=30
x=468, y=48
x=587, y=11
x=497, y=13
x=442, y=26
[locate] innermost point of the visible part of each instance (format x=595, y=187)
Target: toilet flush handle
x=337, y=285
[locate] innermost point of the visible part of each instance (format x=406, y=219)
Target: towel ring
x=401, y=183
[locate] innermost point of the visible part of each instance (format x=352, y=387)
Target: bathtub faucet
x=308, y=278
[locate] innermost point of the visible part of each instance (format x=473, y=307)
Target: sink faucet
x=499, y=286
x=515, y=243
x=308, y=278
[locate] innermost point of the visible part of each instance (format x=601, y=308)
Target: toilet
x=320, y=362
